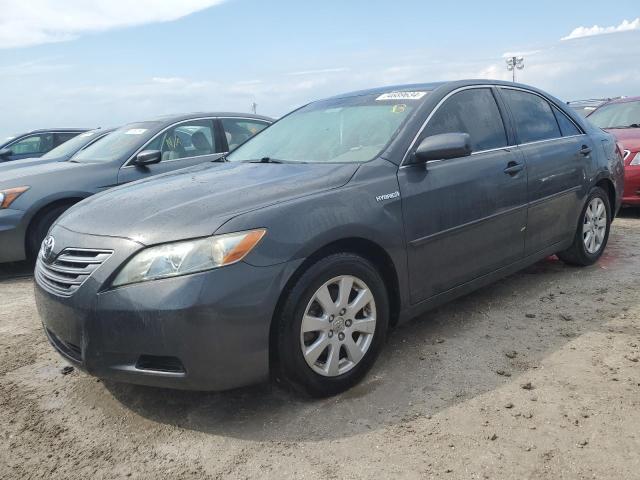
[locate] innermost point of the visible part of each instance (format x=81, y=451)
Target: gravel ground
x=536, y=376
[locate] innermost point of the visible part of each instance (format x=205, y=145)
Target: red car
x=622, y=119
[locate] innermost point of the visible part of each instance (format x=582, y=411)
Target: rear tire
x=592, y=233
x=332, y=325
x=39, y=228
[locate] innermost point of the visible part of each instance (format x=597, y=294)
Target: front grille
x=72, y=267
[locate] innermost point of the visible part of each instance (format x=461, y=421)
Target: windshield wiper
x=266, y=160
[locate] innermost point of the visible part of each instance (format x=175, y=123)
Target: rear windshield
x=343, y=130
x=617, y=115
x=119, y=144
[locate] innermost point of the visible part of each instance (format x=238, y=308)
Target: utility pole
x=513, y=64
x=254, y=107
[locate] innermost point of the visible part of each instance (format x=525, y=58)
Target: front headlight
x=8, y=196
x=191, y=256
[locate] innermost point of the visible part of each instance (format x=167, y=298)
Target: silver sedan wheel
x=338, y=326
x=595, y=225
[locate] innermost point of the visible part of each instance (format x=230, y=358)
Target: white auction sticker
x=401, y=96
x=135, y=131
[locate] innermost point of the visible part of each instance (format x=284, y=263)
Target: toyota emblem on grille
x=47, y=248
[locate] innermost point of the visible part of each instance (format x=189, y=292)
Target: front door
x=464, y=217
x=189, y=143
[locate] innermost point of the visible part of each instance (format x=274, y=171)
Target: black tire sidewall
x=293, y=365
x=38, y=231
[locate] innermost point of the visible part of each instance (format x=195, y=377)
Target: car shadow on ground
x=9, y=271
x=444, y=357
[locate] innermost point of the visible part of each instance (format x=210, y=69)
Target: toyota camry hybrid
x=295, y=255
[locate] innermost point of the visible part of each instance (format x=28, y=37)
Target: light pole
x=254, y=107
x=515, y=63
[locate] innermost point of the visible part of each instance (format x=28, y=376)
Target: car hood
x=18, y=174
x=628, y=137
x=28, y=162
x=195, y=202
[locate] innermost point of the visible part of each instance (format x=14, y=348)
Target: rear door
x=556, y=152
x=182, y=145
x=464, y=217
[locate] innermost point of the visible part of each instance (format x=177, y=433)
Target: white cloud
x=32, y=22
x=625, y=26
x=319, y=71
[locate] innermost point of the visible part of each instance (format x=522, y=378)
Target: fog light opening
x=160, y=364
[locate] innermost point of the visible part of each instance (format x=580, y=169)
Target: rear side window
x=475, y=112
x=65, y=136
x=239, y=130
x=533, y=116
x=567, y=127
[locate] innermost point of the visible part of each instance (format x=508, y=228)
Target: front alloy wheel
x=332, y=325
x=338, y=326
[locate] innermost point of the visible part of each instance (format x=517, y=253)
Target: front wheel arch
x=39, y=215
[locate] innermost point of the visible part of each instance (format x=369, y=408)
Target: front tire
x=332, y=326
x=592, y=233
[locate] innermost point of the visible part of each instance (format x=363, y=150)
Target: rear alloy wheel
x=593, y=231
x=332, y=325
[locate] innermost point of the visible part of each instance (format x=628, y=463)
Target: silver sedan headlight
x=190, y=256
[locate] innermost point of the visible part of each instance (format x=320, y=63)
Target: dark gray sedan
x=341, y=219
x=33, y=197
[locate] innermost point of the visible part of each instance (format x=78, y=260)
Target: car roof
x=64, y=129
x=169, y=119
x=431, y=86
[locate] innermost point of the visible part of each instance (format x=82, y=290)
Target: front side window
x=33, y=144
x=472, y=111
x=617, y=115
x=340, y=130
x=239, y=130
x=189, y=139
x=532, y=115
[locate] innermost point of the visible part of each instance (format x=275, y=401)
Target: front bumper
x=631, y=195
x=207, y=331
x=12, y=235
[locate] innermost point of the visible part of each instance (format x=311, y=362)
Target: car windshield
x=70, y=147
x=343, y=130
x=118, y=144
x=617, y=115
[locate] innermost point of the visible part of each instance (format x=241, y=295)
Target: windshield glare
x=71, y=146
x=118, y=144
x=353, y=129
x=616, y=115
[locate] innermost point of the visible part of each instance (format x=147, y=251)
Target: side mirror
x=443, y=147
x=148, y=157
x=4, y=153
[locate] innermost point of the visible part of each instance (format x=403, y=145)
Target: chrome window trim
x=130, y=159
x=128, y=164
x=507, y=147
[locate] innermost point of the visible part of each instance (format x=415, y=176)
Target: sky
x=89, y=63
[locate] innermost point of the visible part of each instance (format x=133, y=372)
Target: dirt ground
x=536, y=376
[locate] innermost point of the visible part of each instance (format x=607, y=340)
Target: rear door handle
x=585, y=150
x=513, y=168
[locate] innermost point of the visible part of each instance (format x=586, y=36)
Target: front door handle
x=585, y=150
x=513, y=168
